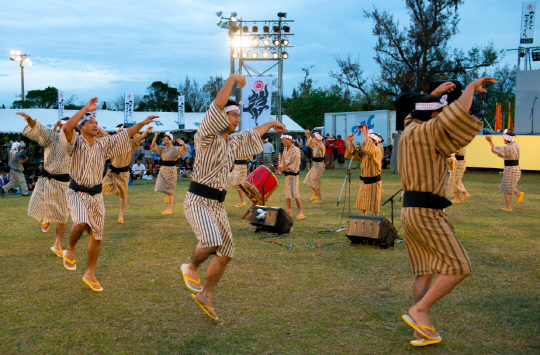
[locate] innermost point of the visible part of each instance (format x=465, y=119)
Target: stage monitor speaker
x=404, y=105
x=271, y=219
x=371, y=230
x=453, y=95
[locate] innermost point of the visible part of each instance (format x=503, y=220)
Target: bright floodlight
x=254, y=55
x=236, y=42
x=27, y=59
x=235, y=55
x=275, y=55
x=234, y=15
x=246, y=42
x=255, y=42
x=265, y=55
x=266, y=42
x=276, y=42
x=18, y=52
x=282, y=14
x=285, y=42
x=285, y=55
x=12, y=52
x=244, y=55
x=218, y=14
x=18, y=59
x=31, y=63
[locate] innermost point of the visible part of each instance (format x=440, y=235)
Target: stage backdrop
x=256, y=101
x=527, y=95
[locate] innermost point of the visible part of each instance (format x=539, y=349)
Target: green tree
x=160, y=97
x=46, y=98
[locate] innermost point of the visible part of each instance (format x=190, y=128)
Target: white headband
x=118, y=129
x=87, y=117
x=63, y=121
x=286, y=136
x=318, y=136
x=15, y=145
x=374, y=136
x=169, y=134
x=233, y=107
x=508, y=137
x=431, y=106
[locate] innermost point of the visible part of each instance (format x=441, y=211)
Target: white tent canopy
x=108, y=120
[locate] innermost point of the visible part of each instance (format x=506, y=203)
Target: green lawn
x=338, y=299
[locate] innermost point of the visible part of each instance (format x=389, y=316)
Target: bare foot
x=207, y=302
x=455, y=201
x=418, y=335
x=289, y=212
x=194, y=274
x=421, y=317
x=467, y=195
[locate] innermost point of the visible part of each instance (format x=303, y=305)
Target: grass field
x=338, y=299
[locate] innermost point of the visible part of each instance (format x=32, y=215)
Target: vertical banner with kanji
x=181, y=112
x=128, y=108
x=60, y=105
x=527, y=22
x=256, y=101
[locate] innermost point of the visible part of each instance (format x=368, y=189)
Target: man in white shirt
x=138, y=169
x=268, y=152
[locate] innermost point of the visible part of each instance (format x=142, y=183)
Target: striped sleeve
x=214, y=121
x=69, y=147
x=42, y=136
x=116, y=144
x=135, y=142
x=248, y=143
x=501, y=152
x=452, y=129
x=369, y=149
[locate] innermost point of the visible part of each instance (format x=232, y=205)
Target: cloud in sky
x=105, y=48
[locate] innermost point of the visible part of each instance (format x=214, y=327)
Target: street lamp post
x=17, y=56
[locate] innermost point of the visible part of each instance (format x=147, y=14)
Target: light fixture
x=244, y=55
x=234, y=29
x=285, y=42
x=285, y=55
x=282, y=14
x=234, y=15
x=254, y=55
x=275, y=28
x=246, y=42
x=245, y=29
x=219, y=22
x=236, y=42
x=275, y=55
x=266, y=42
x=286, y=29
x=235, y=55
x=276, y=42
x=536, y=56
x=12, y=52
x=254, y=29
x=18, y=59
x=255, y=42
x=27, y=59
x=218, y=14
x=30, y=63
x=18, y=52
x=224, y=24
x=265, y=55
x=266, y=29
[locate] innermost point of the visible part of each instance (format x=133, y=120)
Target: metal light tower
x=16, y=56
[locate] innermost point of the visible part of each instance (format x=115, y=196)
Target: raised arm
x=74, y=120
x=225, y=92
x=137, y=127
x=466, y=98
x=36, y=132
x=277, y=126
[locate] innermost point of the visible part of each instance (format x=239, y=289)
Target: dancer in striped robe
x=169, y=154
x=116, y=180
x=454, y=182
x=314, y=176
x=512, y=171
x=236, y=176
x=48, y=202
x=369, y=194
x=290, y=166
x=216, y=148
x=85, y=200
x=432, y=132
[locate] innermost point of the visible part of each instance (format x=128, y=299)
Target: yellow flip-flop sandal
x=69, y=261
x=58, y=253
x=92, y=284
x=424, y=342
x=186, y=278
x=419, y=327
x=300, y=217
x=45, y=227
x=313, y=197
x=464, y=198
x=520, y=197
x=205, y=307
x=166, y=212
x=239, y=204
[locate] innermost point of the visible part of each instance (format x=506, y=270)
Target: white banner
x=128, y=107
x=256, y=101
x=181, y=112
x=527, y=22
x=60, y=105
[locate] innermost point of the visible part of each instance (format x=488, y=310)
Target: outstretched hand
x=27, y=118
x=279, y=127
x=179, y=141
x=91, y=104
x=487, y=80
x=307, y=133
x=149, y=129
x=350, y=137
x=240, y=80
x=447, y=86
x=149, y=119
x=488, y=138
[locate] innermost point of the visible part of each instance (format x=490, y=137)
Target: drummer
x=236, y=176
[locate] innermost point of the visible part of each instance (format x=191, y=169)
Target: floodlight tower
x=17, y=56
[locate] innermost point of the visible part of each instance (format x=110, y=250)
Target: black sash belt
x=168, y=162
x=287, y=173
x=119, y=170
x=207, y=192
x=57, y=177
x=318, y=160
x=370, y=180
x=425, y=200
x=511, y=162
x=240, y=162
x=460, y=157
x=89, y=190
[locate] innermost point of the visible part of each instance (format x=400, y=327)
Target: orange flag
x=510, y=122
x=498, y=118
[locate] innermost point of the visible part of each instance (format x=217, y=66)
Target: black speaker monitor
x=271, y=219
x=371, y=230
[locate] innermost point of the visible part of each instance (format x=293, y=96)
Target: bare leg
x=508, y=199
x=171, y=197
x=123, y=203
x=318, y=193
x=60, y=229
x=74, y=236
x=241, y=194
x=93, y=253
x=456, y=197
x=466, y=193
x=375, y=213
x=289, y=207
x=314, y=191
x=299, y=205
x=363, y=212
x=442, y=286
x=421, y=285
x=213, y=275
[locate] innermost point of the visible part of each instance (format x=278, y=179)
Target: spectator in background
x=148, y=157
x=268, y=153
x=137, y=170
x=4, y=178
x=39, y=170
x=339, y=145
x=31, y=178
x=16, y=160
x=308, y=154
x=186, y=168
x=329, y=153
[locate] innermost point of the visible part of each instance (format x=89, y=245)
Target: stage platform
x=479, y=154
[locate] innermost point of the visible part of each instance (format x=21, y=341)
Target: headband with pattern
x=87, y=117
x=431, y=106
x=233, y=107
x=376, y=137
x=508, y=137
x=286, y=136
x=169, y=134
x=318, y=136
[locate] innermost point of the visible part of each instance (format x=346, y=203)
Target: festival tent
x=108, y=120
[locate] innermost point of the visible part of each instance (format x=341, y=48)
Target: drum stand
x=255, y=200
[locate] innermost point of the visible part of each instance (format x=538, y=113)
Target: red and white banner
x=256, y=101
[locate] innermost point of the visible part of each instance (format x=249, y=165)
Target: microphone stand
x=532, y=115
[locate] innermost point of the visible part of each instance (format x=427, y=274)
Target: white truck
x=343, y=123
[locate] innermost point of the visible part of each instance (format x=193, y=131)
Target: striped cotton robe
x=238, y=174
x=48, y=201
x=215, y=158
x=166, y=181
x=511, y=174
x=314, y=176
x=454, y=183
x=432, y=244
x=87, y=164
x=369, y=195
x=290, y=160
